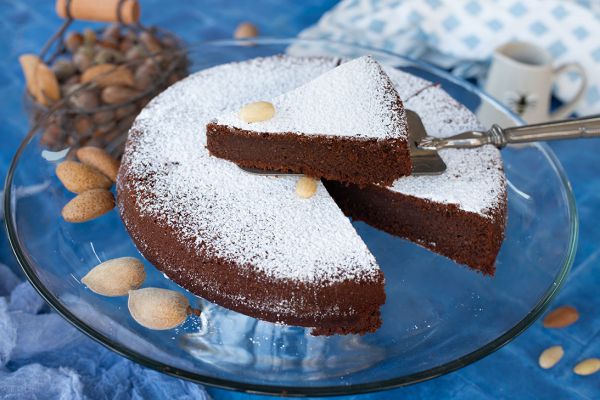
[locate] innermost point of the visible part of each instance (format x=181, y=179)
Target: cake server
x=558, y=130
x=425, y=161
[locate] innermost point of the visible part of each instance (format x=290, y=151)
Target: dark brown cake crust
x=220, y=281
x=360, y=161
x=465, y=237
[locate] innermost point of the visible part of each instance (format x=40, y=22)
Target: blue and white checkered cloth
x=462, y=35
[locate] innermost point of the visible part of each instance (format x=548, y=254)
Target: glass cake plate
x=439, y=316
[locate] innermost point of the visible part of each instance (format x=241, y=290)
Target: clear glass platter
x=438, y=317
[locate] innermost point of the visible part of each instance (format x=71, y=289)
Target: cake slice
x=461, y=213
x=346, y=125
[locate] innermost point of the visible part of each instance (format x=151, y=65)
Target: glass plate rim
x=339, y=390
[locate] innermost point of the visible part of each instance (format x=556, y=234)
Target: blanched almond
x=78, y=177
x=551, y=356
x=561, y=317
x=108, y=75
x=587, y=367
x=99, y=159
x=306, y=187
x=158, y=309
x=115, y=277
x=88, y=205
x=257, y=111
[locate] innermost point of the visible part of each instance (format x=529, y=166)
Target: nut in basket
x=86, y=88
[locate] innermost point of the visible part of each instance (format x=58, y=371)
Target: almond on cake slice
x=346, y=125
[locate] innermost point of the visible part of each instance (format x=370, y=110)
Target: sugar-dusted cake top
x=252, y=220
x=357, y=99
x=260, y=221
x=474, y=179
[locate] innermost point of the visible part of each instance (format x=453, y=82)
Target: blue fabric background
x=511, y=372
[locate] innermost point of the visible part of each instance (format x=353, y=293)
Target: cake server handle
x=568, y=129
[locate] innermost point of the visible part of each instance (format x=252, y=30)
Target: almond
x=98, y=158
x=47, y=89
x=78, y=177
x=118, y=94
x=115, y=277
x=306, y=187
x=29, y=63
x=158, y=309
x=561, y=317
x=551, y=356
x=108, y=75
x=245, y=30
x=587, y=367
x=88, y=205
x=257, y=111
x=150, y=42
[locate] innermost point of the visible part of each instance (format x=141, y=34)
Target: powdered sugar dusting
x=259, y=221
x=406, y=85
x=356, y=100
x=255, y=220
x=474, y=180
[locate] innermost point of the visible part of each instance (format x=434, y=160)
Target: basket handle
x=123, y=11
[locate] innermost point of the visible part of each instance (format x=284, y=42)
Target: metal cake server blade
x=425, y=161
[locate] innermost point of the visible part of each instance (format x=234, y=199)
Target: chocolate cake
x=346, y=125
x=460, y=214
x=246, y=242
x=249, y=243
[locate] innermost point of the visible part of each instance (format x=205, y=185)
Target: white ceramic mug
x=521, y=76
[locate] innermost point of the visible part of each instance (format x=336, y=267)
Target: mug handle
x=566, y=109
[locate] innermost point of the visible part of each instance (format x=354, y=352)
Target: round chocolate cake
x=250, y=244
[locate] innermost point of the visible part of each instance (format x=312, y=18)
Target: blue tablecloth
x=510, y=372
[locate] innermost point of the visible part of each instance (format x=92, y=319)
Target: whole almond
x=104, y=117
x=245, y=30
x=89, y=37
x=551, y=356
x=587, y=367
x=88, y=205
x=561, y=317
x=82, y=124
x=64, y=69
x=78, y=177
x=115, y=277
x=107, y=75
x=306, y=187
x=29, y=63
x=125, y=111
x=117, y=94
x=145, y=74
x=99, y=159
x=150, y=42
x=47, y=89
x=158, y=309
x=73, y=41
x=257, y=111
